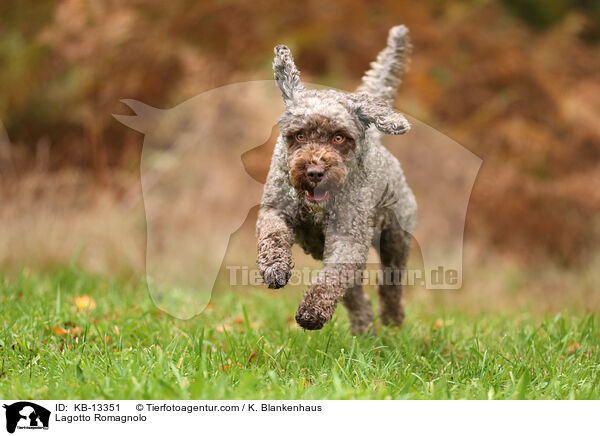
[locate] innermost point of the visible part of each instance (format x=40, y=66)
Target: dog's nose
x=315, y=173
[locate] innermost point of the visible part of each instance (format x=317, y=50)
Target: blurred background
x=514, y=81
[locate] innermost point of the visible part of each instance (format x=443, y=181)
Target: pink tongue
x=317, y=197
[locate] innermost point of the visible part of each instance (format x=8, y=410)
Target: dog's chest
x=310, y=232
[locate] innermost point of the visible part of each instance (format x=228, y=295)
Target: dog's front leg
x=344, y=259
x=275, y=238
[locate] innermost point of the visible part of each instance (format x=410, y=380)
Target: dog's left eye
x=339, y=138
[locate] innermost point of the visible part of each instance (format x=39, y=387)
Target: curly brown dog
x=335, y=190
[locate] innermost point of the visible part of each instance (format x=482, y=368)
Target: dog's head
x=325, y=131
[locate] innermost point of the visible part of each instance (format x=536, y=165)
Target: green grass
x=246, y=346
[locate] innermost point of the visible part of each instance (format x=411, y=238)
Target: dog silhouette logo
x=197, y=190
x=26, y=415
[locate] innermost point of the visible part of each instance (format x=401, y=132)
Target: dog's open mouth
x=316, y=197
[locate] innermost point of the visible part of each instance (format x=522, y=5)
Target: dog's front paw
x=277, y=275
x=311, y=317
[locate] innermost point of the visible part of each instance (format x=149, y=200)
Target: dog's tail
x=384, y=77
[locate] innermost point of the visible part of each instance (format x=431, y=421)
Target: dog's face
x=324, y=131
x=322, y=142
x=318, y=153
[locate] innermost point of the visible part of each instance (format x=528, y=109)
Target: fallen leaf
x=439, y=323
x=573, y=347
x=84, y=302
x=225, y=367
x=59, y=331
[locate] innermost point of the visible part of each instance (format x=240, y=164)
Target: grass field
x=69, y=334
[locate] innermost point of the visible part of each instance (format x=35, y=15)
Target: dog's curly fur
x=334, y=189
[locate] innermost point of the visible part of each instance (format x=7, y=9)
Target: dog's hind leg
x=393, y=251
x=358, y=305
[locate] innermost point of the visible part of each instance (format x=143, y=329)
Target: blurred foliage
x=513, y=80
x=543, y=14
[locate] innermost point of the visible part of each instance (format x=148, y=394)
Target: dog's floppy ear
x=381, y=115
x=286, y=74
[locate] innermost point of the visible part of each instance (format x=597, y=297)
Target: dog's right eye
x=300, y=137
